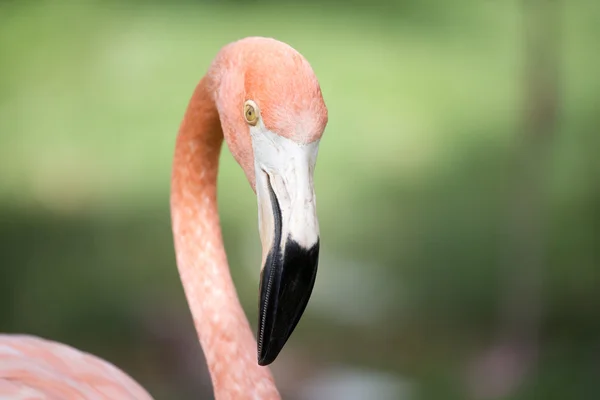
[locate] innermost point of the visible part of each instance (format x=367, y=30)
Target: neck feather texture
x=223, y=329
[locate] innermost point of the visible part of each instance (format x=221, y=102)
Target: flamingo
x=263, y=98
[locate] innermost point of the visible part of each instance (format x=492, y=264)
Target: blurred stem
x=522, y=302
x=501, y=369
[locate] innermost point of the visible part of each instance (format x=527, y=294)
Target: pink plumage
x=34, y=368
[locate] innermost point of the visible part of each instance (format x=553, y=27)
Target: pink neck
x=228, y=343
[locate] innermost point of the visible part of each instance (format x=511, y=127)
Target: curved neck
x=223, y=329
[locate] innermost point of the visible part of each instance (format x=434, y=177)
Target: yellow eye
x=251, y=112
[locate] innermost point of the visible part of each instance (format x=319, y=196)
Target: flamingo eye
x=251, y=112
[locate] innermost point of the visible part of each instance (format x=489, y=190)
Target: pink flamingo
x=262, y=96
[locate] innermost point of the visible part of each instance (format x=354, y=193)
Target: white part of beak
x=286, y=168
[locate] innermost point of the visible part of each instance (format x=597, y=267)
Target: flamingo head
x=273, y=116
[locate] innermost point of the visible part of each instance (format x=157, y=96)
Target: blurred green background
x=458, y=184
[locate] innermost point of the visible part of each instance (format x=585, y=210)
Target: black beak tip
x=286, y=285
x=267, y=358
x=268, y=352
x=263, y=362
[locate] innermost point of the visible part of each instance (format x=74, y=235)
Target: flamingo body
x=33, y=368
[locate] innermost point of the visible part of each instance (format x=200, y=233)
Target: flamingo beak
x=289, y=233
